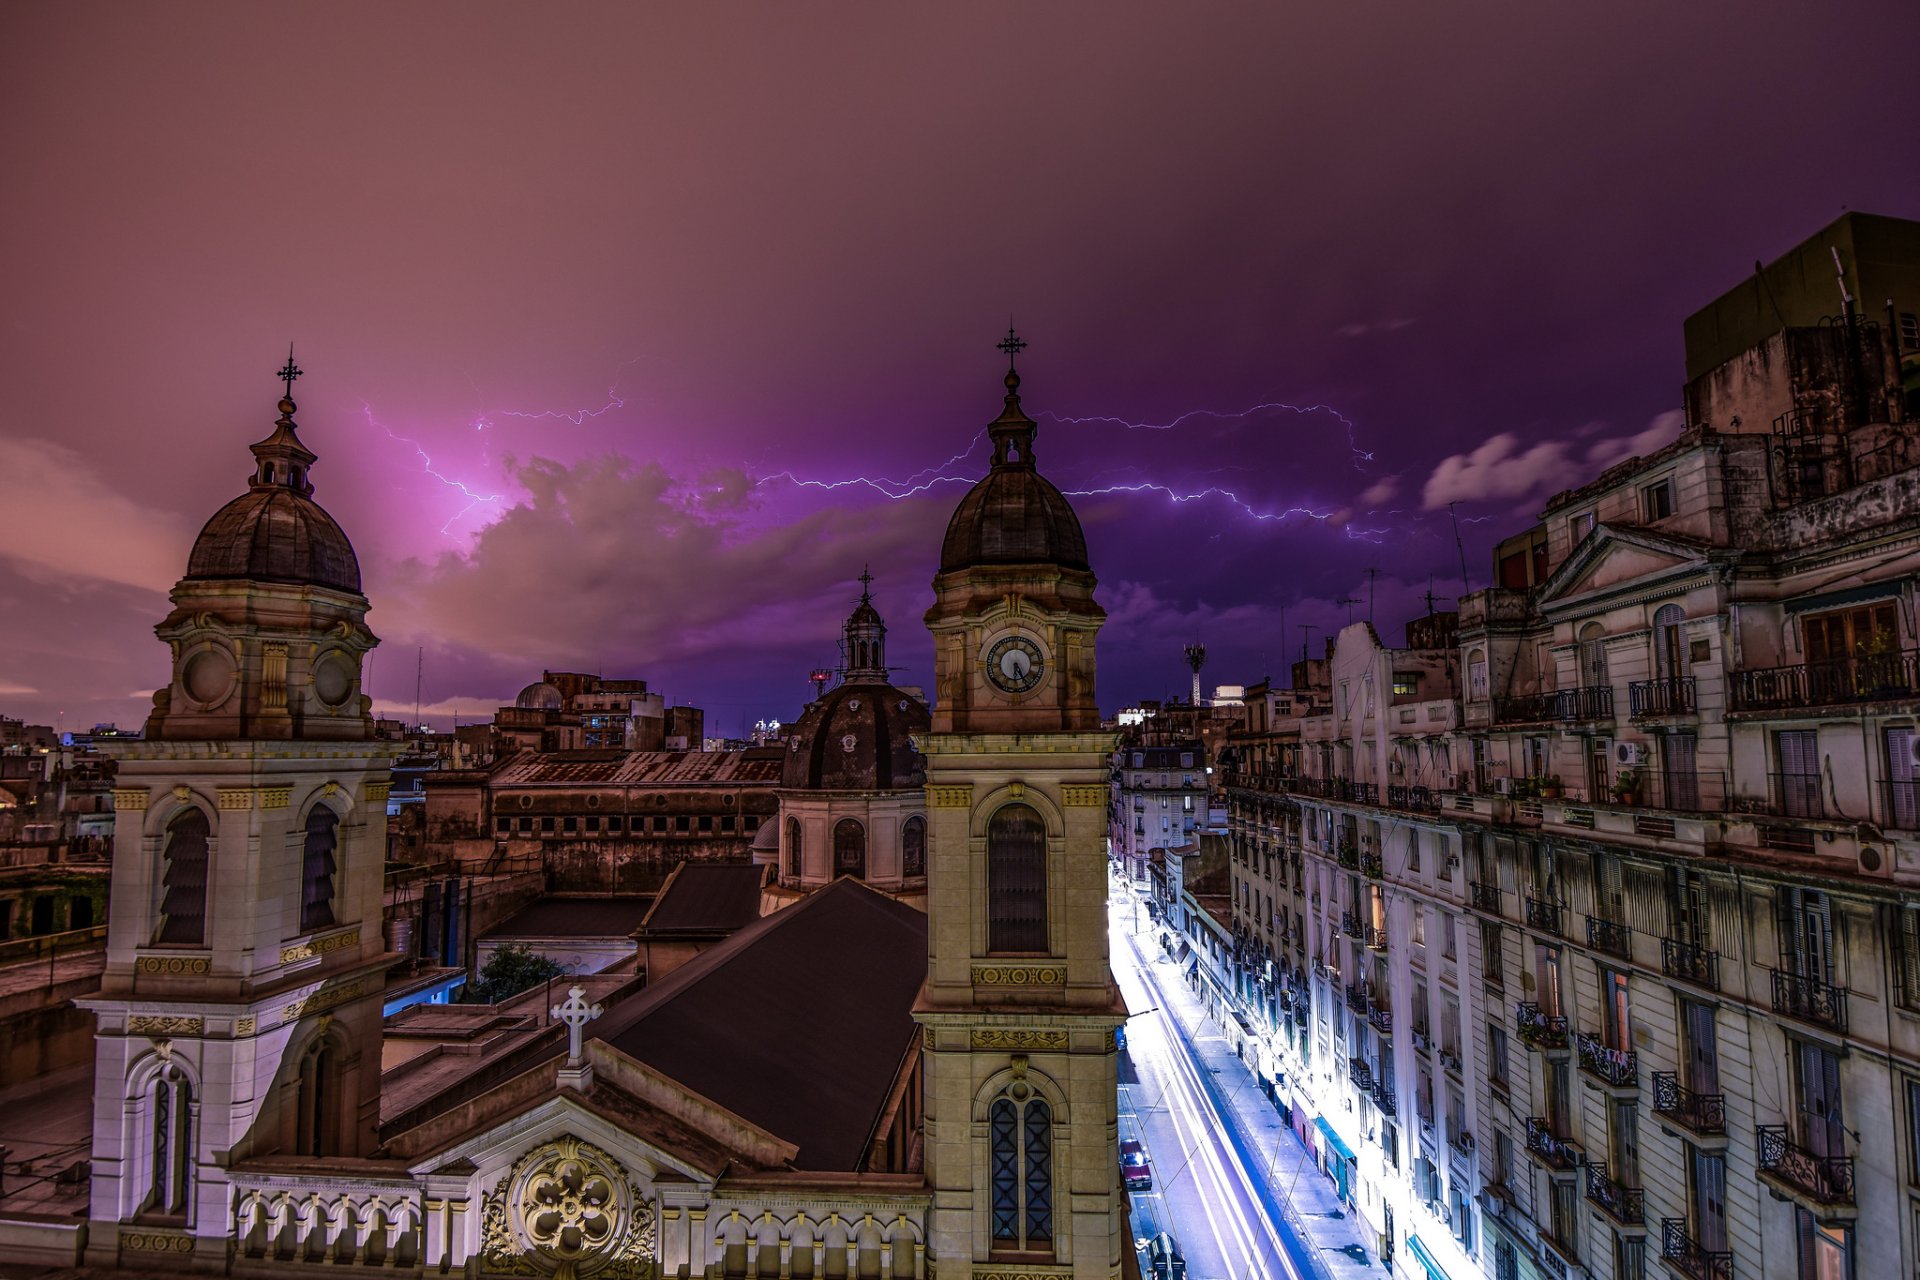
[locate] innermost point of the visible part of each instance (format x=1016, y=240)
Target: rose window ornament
x=569, y=1210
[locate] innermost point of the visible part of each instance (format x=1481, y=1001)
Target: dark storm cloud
x=647, y=244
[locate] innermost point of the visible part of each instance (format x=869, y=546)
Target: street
x=1223, y=1163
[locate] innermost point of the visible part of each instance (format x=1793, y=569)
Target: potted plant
x=1626, y=786
x=1550, y=786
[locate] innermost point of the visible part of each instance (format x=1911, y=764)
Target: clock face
x=1015, y=664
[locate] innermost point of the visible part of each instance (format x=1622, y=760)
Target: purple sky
x=596, y=303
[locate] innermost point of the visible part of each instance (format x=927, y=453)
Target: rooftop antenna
x=1348, y=601
x=1840, y=277
x=1371, y=575
x=1461, y=547
x=419, y=669
x=1196, y=655
x=1305, y=629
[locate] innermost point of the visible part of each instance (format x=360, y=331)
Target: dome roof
x=275, y=534
x=540, y=696
x=857, y=737
x=1013, y=516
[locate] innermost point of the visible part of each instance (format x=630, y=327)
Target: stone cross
x=576, y=1013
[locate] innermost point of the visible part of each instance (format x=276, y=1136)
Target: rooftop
x=707, y=898
x=640, y=768
x=575, y=918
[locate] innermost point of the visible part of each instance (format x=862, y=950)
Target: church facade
x=849, y=1086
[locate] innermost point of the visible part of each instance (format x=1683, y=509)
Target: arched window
x=316, y=869
x=1668, y=659
x=1021, y=1172
x=1016, y=881
x=795, y=867
x=849, y=848
x=170, y=1104
x=913, y=848
x=183, y=880
x=317, y=1120
x=1593, y=655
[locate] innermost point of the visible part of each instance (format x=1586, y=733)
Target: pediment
x=647, y=1153
x=1613, y=557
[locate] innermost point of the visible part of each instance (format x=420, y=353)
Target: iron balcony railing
x=1795, y=795
x=1590, y=702
x=1900, y=803
x=1413, y=799
x=1687, y=1256
x=1544, y=914
x=1690, y=962
x=1610, y=936
x=1666, y=696
x=1617, y=1067
x=1540, y=1030
x=1810, y=1000
x=1823, y=1179
x=1361, y=1074
x=1372, y=867
x=1875, y=677
x=1623, y=1203
x=1376, y=937
x=1357, y=998
x=1558, y=1152
x=1348, y=855
x=1703, y=1113
x=1383, y=1098
x=1382, y=1019
x=1350, y=924
x=1484, y=897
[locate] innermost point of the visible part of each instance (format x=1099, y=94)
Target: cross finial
x=576, y=1013
x=1013, y=344
x=866, y=581
x=290, y=372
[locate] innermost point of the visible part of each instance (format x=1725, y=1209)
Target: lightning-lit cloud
x=474, y=499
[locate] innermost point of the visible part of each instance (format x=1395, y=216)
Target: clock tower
x=1020, y=1008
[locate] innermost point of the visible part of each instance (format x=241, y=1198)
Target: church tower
x=1020, y=1007
x=239, y=1015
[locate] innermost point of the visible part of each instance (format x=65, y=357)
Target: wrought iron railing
x=1361, y=1074
x=1383, y=1098
x=1617, y=1067
x=1623, y=1203
x=1350, y=923
x=1376, y=937
x=1544, y=914
x=1610, y=936
x=1690, y=962
x=1372, y=867
x=1484, y=897
x=1590, y=702
x=1413, y=799
x=1348, y=855
x=1686, y=1255
x=1557, y=1151
x=1825, y=1179
x=1357, y=998
x=1540, y=1030
x=1810, y=1000
x=1665, y=696
x=1795, y=795
x=1382, y=1019
x=1874, y=677
x=1703, y=1113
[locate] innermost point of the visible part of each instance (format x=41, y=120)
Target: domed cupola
x=1014, y=515
x=859, y=735
x=276, y=532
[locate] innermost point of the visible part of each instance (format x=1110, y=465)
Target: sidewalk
x=1312, y=1206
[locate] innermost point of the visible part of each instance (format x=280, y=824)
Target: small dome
x=859, y=737
x=275, y=534
x=540, y=696
x=1013, y=516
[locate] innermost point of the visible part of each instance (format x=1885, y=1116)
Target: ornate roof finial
x=1013, y=344
x=287, y=374
x=866, y=583
x=1012, y=431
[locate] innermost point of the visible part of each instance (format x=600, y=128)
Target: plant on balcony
x=1626, y=787
x=1550, y=787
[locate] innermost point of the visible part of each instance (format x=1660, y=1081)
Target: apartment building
x=1594, y=937
x=1160, y=795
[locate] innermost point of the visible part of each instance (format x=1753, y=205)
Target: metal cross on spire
x=576, y=1013
x=866, y=583
x=290, y=372
x=1013, y=344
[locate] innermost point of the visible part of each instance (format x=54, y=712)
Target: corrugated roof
x=575, y=918
x=707, y=898
x=636, y=768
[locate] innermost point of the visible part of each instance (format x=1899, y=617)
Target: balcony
x=1613, y=938
x=1348, y=856
x=1383, y=1098
x=1615, y=1068
x=1667, y=696
x=1376, y=937
x=1413, y=799
x=1350, y=924
x=1557, y=1153
x=1810, y=1000
x=1701, y=1113
x=1450, y=1061
x=1683, y=1254
x=1795, y=795
x=1878, y=677
x=1372, y=867
x=1823, y=1180
x=1361, y=1074
x=1591, y=702
x=1544, y=914
x=1623, y=1204
x=1357, y=998
x=1900, y=804
x=1690, y=962
x=1484, y=897
x=1540, y=1030
x=1382, y=1019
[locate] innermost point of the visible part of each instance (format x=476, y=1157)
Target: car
x=1163, y=1258
x=1120, y=1038
x=1136, y=1171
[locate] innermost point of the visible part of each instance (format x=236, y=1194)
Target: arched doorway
x=849, y=848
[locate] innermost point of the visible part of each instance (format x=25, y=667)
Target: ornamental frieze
x=1017, y=1039
x=326, y=998
x=949, y=797
x=1084, y=797
x=130, y=798
x=155, y=1242
x=161, y=1024
x=319, y=946
x=173, y=966
x=1019, y=975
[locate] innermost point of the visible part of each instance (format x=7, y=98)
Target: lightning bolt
x=426, y=465
x=1360, y=456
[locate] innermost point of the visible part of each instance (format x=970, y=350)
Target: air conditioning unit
x=1503, y=786
x=1626, y=755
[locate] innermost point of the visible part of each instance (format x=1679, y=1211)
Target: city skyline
x=663, y=306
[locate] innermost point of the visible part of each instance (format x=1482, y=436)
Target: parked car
x=1135, y=1169
x=1164, y=1260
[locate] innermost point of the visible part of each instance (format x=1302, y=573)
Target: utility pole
x=1371, y=575
x=1465, y=586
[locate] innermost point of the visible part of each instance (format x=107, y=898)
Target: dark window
x=317, y=868
x=616, y=823
x=43, y=914
x=913, y=848
x=849, y=848
x=706, y=822
x=570, y=825
x=794, y=848
x=80, y=913
x=593, y=822
x=6, y=920
x=726, y=822
x=172, y=1133
x=318, y=1119
x=546, y=824
x=526, y=824
x=1016, y=881
x=659, y=822
x=503, y=824
x=1657, y=499
x=681, y=823
x=1021, y=1170
x=183, y=902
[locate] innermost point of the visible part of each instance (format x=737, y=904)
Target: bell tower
x=1020, y=1008
x=239, y=1014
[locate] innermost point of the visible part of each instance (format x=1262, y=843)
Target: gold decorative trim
x=155, y=1242
x=320, y=946
x=1024, y=1273
x=275, y=797
x=1084, y=797
x=1012, y=1038
x=244, y=1026
x=1113, y=1040
x=324, y=999
x=162, y=1024
x=949, y=797
x=131, y=798
x=376, y=792
x=174, y=966
x=237, y=797
x=926, y=1039
x=1019, y=975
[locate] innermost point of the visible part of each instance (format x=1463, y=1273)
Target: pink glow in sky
x=602, y=306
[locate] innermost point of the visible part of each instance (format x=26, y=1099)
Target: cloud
x=57, y=514
x=1500, y=470
x=8, y=687
x=1361, y=329
x=1380, y=492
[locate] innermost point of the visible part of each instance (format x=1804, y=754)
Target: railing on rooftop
x=1877, y=677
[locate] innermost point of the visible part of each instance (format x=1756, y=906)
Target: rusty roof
x=640, y=768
